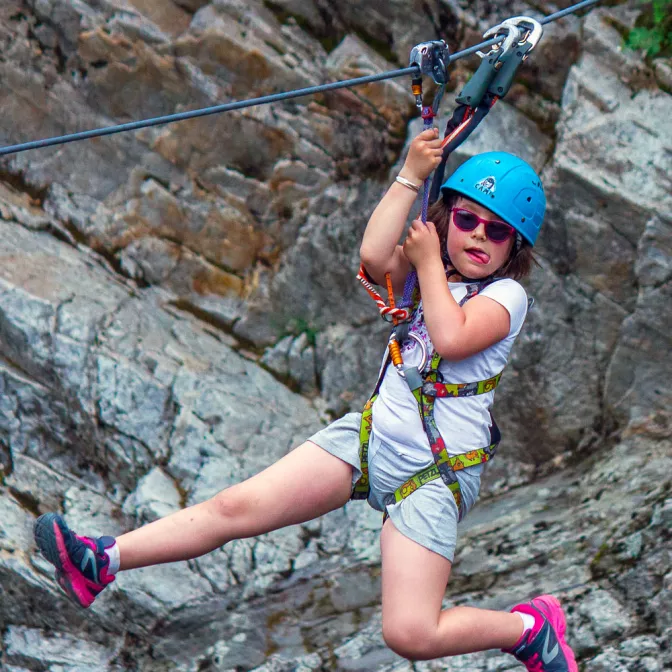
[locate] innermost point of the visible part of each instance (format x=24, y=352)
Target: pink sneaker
x=543, y=648
x=81, y=563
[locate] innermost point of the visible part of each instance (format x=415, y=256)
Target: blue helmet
x=505, y=184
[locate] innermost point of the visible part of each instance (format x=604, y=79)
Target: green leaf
x=653, y=29
x=647, y=39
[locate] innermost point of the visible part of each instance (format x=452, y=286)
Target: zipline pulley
x=432, y=59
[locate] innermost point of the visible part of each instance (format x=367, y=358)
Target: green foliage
x=653, y=31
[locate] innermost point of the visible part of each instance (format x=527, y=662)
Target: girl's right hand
x=424, y=155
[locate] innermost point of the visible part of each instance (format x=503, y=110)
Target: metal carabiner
x=510, y=62
x=491, y=63
x=512, y=37
x=423, y=348
x=531, y=35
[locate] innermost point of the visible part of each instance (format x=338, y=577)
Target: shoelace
x=78, y=551
x=535, y=664
x=75, y=546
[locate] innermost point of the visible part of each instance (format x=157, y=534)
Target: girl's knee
x=409, y=639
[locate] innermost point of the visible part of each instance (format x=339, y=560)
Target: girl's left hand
x=422, y=243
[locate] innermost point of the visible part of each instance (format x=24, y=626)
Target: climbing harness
x=426, y=387
x=489, y=83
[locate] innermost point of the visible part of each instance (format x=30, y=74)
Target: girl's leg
x=414, y=626
x=304, y=484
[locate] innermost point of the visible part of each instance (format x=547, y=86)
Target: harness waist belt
x=457, y=462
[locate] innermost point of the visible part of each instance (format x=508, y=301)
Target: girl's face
x=473, y=254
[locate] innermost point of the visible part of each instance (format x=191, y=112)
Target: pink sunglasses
x=495, y=231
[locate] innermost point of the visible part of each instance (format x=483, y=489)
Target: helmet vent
x=522, y=219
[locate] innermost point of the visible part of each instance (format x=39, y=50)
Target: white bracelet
x=407, y=183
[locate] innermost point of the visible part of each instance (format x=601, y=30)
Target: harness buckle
x=429, y=382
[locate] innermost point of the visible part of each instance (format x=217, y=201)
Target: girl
x=484, y=227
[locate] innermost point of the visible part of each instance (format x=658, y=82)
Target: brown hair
x=519, y=263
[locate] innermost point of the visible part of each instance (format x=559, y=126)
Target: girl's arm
x=379, y=251
x=457, y=332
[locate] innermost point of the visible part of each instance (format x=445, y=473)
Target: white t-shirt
x=464, y=421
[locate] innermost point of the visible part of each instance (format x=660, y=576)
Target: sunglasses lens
x=498, y=232
x=465, y=220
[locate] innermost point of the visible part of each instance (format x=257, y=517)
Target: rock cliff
x=178, y=309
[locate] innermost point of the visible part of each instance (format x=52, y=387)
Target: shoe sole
x=45, y=538
x=550, y=607
x=49, y=539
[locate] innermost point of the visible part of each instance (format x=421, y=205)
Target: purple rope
x=425, y=201
x=412, y=277
x=409, y=286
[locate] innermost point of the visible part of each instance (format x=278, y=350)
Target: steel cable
x=264, y=100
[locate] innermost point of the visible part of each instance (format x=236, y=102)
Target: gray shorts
x=428, y=516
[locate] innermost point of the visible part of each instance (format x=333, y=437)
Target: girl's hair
x=519, y=263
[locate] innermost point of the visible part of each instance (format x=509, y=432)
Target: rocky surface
x=178, y=309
